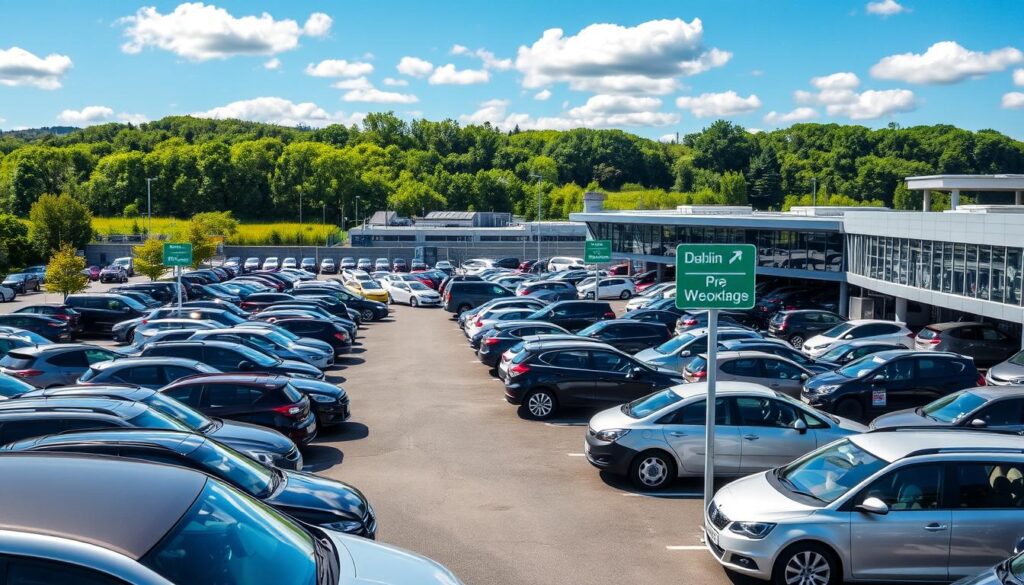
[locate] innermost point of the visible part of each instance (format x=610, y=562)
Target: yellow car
x=368, y=289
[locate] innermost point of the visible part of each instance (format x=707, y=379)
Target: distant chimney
x=593, y=202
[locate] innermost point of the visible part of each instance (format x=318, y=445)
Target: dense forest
x=263, y=171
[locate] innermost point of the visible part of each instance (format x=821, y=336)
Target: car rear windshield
x=954, y=407
x=861, y=367
x=673, y=345
x=839, y=330
x=291, y=394
x=698, y=364
x=828, y=473
x=927, y=333
x=650, y=404
x=17, y=361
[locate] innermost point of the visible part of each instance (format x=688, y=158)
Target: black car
x=549, y=290
x=845, y=353
x=999, y=408
x=256, y=302
x=231, y=357
x=574, y=315
x=265, y=400
x=547, y=376
x=890, y=380
x=329, y=402
x=54, y=329
x=309, y=265
x=796, y=327
x=699, y=320
x=165, y=292
x=220, y=306
x=272, y=312
x=504, y=335
x=666, y=318
x=56, y=311
x=24, y=418
x=627, y=336
x=262, y=444
x=368, y=310
x=24, y=282
x=456, y=278
x=508, y=262
x=463, y=295
x=101, y=311
x=328, y=331
x=304, y=496
x=663, y=305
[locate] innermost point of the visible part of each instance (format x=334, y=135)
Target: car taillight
x=26, y=373
x=981, y=380
x=340, y=336
x=63, y=317
x=144, y=321
x=518, y=369
x=479, y=323
x=934, y=340
x=55, y=324
x=609, y=315
x=689, y=322
x=700, y=375
x=781, y=326
x=522, y=293
x=289, y=410
x=491, y=341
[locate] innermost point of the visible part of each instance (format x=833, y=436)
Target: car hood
x=986, y=577
x=903, y=418
x=753, y=499
x=315, y=493
x=365, y=562
x=244, y=435
x=317, y=387
x=651, y=356
x=819, y=340
x=297, y=367
x=612, y=418
x=1007, y=372
x=825, y=379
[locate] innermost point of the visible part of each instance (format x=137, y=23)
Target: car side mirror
x=126, y=309
x=1019, y=547
x=878, y=379
x=684, y=353
x=978, y=423
x=873, y=506
x=804, y=377
x=633, y=373
x=245, y=365
x=799, y=425
x=848, y=337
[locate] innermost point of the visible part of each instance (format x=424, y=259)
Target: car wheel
x=540, y=404
x=625, y=295
x=652, y=470
x=367, y=315
x=462, y=308
x=806, y=563
x=850, y=408
x=797, y=341
x=413, y=302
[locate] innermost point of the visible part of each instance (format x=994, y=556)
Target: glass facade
x=978, y=271
x=797, y=250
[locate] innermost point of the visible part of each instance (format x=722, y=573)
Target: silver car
x=677, y=352
x=46, y=366
x=886, y=507
x=270, y=343
x=1009, y=372
x=660, y=437
x=758, y=367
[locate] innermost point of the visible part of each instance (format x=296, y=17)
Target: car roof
x=747, y=353
x=237, y=378
x=863, y=342
x=868, y=321
x=123, y=408
x=892, y=447
x=36, y=350
x=144, y=361
x=954, y=324
x=113, y=391
x=894, y=353
x=168, y=439
x=64, y=495
x=560, y=341
x=722, y=387
x=997, y=392
x=721, y=329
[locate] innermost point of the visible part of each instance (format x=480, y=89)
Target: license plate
x=711, y=534
x=805, y=399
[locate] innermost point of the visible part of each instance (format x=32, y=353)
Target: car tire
x=850, y=408
x=797, y=340
x=814, y=561
x=367, y=315
x=413, y=302
x=540, y=404
x=463, y=308
x=652, y=470
x=625, y=295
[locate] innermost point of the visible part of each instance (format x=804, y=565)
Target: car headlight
x=323, y=398
x=754, y=530
x=611, y=435
x=345, y=526
x=261, y=456
x=826, y=389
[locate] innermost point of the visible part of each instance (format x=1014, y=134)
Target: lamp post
x=539, y=178
x=149, y=206
x=814, y=192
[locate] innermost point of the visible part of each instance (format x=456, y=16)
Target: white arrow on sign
x=737, y=255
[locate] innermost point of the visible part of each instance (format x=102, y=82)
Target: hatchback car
x=796, y=327
x=873, y=329
x=609, y=288
x=627, y=336
x=659, y=437
x=574, y=315
x=371, y=290
x=503, y=335
x=272, y=343
x=773, y=371
x=25, y=282
x=779, y=348
x=24, y=418
x=44, y=366
x=464, y=295
x=845, y=353
x=328, y=266
x=165, y=529
x=881, y=506
x=114, y=273
x=978, y=408
x=231, y=357
x=57, y=311
x=143, y=371
x=981, y=341
x=890, y=380
x=51, y=328
x=680, y=350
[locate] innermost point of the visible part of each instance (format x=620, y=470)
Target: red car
x=619, y=269
x=92, y=272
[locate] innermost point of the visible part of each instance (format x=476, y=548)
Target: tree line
x=267, y=172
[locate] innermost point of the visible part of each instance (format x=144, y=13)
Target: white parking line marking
x=566, y=424
x=576, y=454
x=686, y=547
x=664, y=495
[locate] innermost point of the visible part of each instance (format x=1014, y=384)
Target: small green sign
x=597, y=251
x=177, y=254
x=715, y=276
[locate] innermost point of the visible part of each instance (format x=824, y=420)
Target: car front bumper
x=291, y=460
x=611, y=457
x=737, y=553
x=333, y=414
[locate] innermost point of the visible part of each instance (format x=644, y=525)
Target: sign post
x=713, y=277
x=178, y=256
x=595, y=251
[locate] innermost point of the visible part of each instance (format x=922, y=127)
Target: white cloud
x=801, y=114
x=886, y=8
x=646, y=58
x=668, y=138
x=20, y=67
x=339, y=68
x=449, y=75
x=872, y=104
x=273, y=64
x=1018, y=76
x=542, y=95
x=395, y=82
x=727, y=103
x=86, y=116
x=275, y=110
x=601, y=111
x=133, y=118
x=944, y=63
x=200, y=32
x=615, y=104
x=488, y=58
x=415, y=67
x=1013, y=100
x=354, y=83
x=842, y=80
x=376, y=96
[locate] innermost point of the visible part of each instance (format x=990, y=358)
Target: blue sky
x=653, y=67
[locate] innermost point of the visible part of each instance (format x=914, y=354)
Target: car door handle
x=677, y=434
x=935, y=527
x=751, y=437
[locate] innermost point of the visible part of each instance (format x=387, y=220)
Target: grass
x=249, y=234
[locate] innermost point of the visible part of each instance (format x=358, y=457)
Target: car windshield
x=277, y=338
x=954, y=407
x=830, y=472
x=245, y=473
x=1017, y=359
x=416, y=285
x=838, y=331
x=153, y=419
x=588, y=331
x=370, y=285
x=11, y=386
x=257, y=357
x=675, y=344
x=862, y=367
x=648, y=405
x=836, y=353
x=226, y=537
x=194, y=420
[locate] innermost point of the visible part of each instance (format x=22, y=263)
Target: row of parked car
x=328, y=265
x=932, y=488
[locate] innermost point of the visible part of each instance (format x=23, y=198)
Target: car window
x=222, y=358
x=1004, y=413
x=780, y=370
x=93, y=356
x=915, y=487
x=141, y=375
x=695, y=414
x=81, y=424
x=938, y=368
x=989, y=485
x=989, y=334
x=17, y=430
x=607, y=361
x=765, y=412
x=567, y=359
x=191, y=352
x=749, y=367
x=172, y=373
x=69, y=359
x=32, y=572
x=227, y=395
x=897, y=370
x=185, y=394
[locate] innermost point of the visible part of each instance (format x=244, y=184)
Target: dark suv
x=56, y=311
x=890, y=380
x=463, y=295
x=574, y=315
x=549, y=290
x=100, y=312
x=230, y=357
x=796, y=327
x=25, y=418
x=165, y=292
x=981, y=341
x=627, y=336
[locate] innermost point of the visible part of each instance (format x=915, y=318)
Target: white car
x=476, y=265
x=616, y=287
x=859, y=329
x=355, y=276
x=271, y=263
x=649, y=295
x=413, y=293
x=564, y=263
x=7, y=294
x=289, y=263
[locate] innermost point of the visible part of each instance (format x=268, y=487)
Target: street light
x=149, y=206
x=539, y=178
x=814, y=192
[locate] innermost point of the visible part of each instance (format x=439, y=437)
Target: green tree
x=216, y=223
x=58, y=220
x=733, y=189
x=64, y=272
x=721, y=147
x=149, y=258
x=413, y=197
x=14, y=237
x=765, y=179
x=203, y=246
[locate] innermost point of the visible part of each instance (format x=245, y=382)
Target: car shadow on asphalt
x=348, y=360
x=684, y=488
x=567, y=417
x=354, y=350
x=349, y=431
x=334, y=379
x=318, y=458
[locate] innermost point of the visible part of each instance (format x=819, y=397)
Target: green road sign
x=597, y=251
x=177, y=254
x=715, y=276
